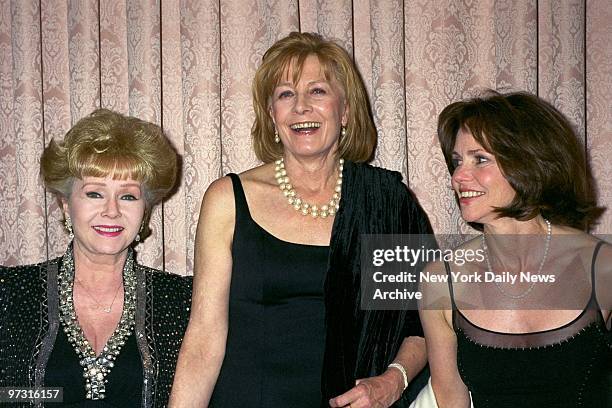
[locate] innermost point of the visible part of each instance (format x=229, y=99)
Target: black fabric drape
x=363, y=343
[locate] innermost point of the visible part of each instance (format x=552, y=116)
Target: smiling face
x=106, y=214
x=478, y=181
x=308, y=115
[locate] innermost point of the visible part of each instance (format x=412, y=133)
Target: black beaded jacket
x=29, y=321
x=362, y=343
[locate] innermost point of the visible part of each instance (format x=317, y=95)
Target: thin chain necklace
x=325, y=210
x=532, y=285
x=95, y=368
x=99, y=305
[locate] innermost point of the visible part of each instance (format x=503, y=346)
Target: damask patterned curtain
x=187, y=65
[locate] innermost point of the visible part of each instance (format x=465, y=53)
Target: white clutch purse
x=427, y=399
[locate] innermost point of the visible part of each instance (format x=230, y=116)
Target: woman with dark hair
x=94, y=322
x=534, y=331
x=276, y=315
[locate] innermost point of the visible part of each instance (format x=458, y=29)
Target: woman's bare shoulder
x=258, y=181
x=433, y=284
x=263, y=174
x=218, y=194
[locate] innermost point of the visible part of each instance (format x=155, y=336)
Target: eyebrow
x=94, y=183
x=474, y=151
x=317, y=81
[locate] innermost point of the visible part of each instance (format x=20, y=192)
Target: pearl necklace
x=300, y=205
x=532, y=285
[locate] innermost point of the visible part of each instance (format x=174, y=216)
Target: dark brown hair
x=537, y=150
x=360, y=140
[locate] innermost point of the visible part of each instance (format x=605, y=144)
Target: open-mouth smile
x=108, y=230
x=305, y=126
x=470, y=194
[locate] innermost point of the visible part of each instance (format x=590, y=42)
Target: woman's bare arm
x=449, y=389
x=603, y=282
x=203, y=347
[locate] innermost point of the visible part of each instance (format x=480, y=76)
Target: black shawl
x=361, y=343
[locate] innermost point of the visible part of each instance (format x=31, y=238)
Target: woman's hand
x=383, y=390
x=374, y=392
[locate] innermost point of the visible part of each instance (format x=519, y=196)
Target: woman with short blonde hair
x=94, y=321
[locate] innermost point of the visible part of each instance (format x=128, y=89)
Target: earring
x=137, y=239
x=68, y=225
x=343, y=131
x=276, y=137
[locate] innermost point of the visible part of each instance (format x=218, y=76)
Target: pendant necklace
x=99, y=305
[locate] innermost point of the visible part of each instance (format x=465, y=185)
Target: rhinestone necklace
x=95, y=368
x=300, y=205
x=532, y=285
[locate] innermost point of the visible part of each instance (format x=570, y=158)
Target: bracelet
x=403, y=371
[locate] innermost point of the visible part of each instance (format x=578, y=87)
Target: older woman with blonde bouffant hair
x=276, y=315
x=95, y=322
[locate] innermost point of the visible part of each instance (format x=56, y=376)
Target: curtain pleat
x=23, y=215
x=599, y=104
x=174, y=210
x=201, y=75
x=56, y=103
x=187, y=65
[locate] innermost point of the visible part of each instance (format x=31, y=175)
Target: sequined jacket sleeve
x=168, y=303
x=21, y=323
x=25, y=323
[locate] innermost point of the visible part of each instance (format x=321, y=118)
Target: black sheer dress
x=565, y=367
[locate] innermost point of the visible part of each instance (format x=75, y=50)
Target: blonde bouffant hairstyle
x=106, y=143
x=291, y=53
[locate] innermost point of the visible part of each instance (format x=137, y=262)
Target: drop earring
x=343, y=131
x=276, y=137
x=68, y=225
x=137, y=239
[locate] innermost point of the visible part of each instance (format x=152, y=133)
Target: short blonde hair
x=360, y=140
x=106, y=143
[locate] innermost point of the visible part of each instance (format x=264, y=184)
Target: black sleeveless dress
x=276, y=336
x=566, y=367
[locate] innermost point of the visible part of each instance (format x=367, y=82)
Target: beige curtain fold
x=188, y=64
